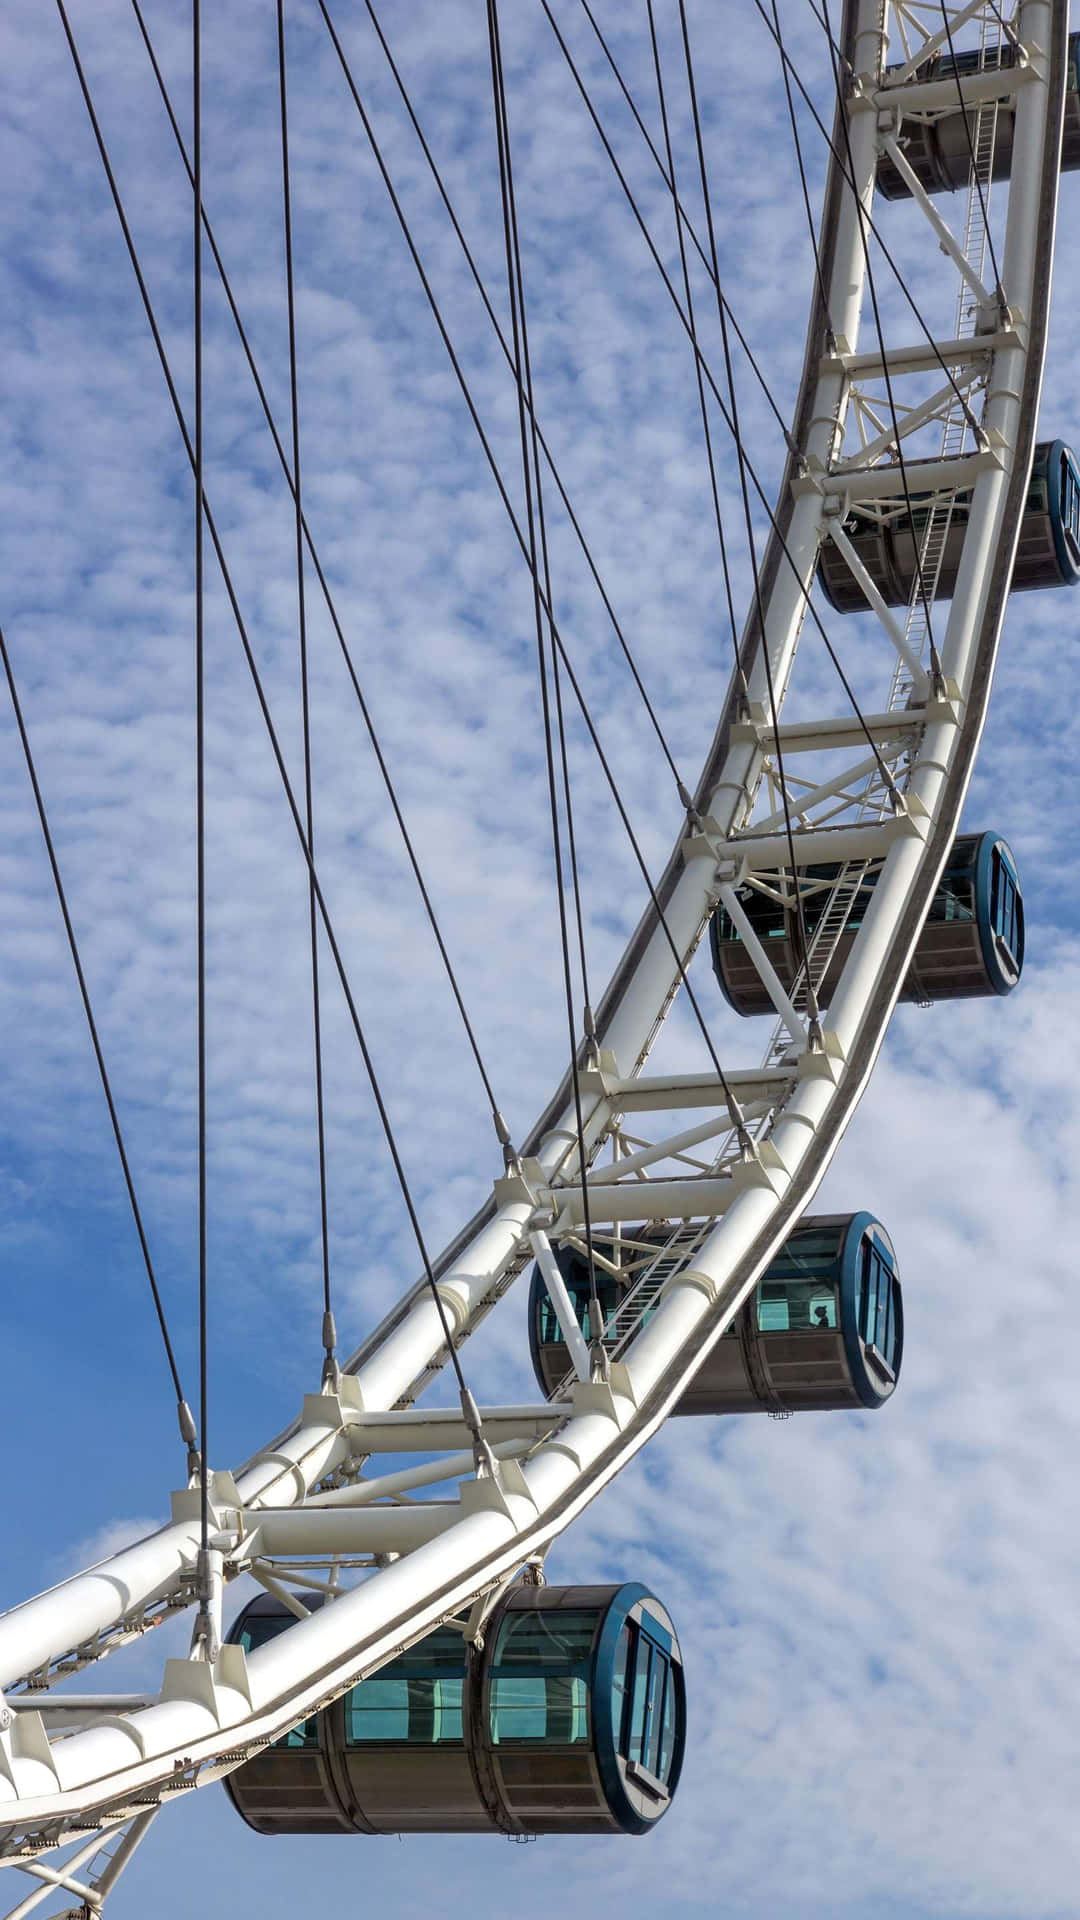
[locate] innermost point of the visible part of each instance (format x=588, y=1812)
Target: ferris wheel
x=405, y=1666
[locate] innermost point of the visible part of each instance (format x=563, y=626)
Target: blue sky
x=876, y=1611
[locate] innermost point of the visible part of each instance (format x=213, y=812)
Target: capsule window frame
x=1070, y=505
x=658, y=1731
x=874, y=1262
x=518, y=1668
x=304, y=1736
x=406, y=1670
x=1005, y=901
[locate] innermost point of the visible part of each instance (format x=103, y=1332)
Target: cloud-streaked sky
x=877, y=1611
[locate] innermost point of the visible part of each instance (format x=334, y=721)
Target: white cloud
x=874, y=1609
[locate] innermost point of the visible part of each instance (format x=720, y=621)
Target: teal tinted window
x=1004, y=904
x=550, y=1637
x=661, y=1684
x=771, y=921
x=257, y=1630
x=808, y=1254
x=540, y=1677
x=577, y=1286
x=548, y=1709
x=414, y=1701
x=877, y=1317
x=667, y=1737
x=1070, y=502
x=640, y=1700
x=620, y=1684
x=306, y=1735
x=261, y=1627
x=954, y=898
x=649, y=1717
x=789, y=1306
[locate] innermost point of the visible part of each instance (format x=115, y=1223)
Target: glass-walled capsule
x=889, y=539
x=570, y=1719
x=822, y=1331
x=971, y=944
x=938, y=149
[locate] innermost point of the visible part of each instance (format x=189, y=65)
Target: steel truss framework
x=726, y=1168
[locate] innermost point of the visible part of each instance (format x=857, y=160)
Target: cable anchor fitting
x=331, y=1372
x=483, y=1458
x=598, y=1356
x=206, y=1633
x=511, y=1156
x=686, y=799
x=897, y=803
x=592, y=1044
x=188, y=1434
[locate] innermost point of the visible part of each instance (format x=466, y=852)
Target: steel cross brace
x=91, y=1892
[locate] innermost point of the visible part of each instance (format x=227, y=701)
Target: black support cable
x=484, y=1458
x=186, y=1423
x=847, y=174
x=813, y=1015
x=811, y=226
x=203, y=1626
x=785, y=550
x=688, y=224
x=862, y=217
x=329, y=1331
x=534, y=509
x=740, y=674
x=331, y=607
x=732, y=1104
x=992, y=107
x=545, y=448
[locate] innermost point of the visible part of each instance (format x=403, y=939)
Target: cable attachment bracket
x=592, y=1043
x=511, y=1156
x=206, y=1633
x=897, y=803
x=331, y=1372
x=483, y=1458
x=189, y=1435
x=686, y=799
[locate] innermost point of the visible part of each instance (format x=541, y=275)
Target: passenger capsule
x=823, y=1329
x=571, y=1719
x=886, y=538
x=939, y=149
x=971, y=945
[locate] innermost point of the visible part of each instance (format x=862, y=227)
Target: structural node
x=571, y=1718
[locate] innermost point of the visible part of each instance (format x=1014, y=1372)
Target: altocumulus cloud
x=874, y=1608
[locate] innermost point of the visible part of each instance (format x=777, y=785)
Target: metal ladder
x=821, y=949
x=956, y=431
x=621, y=1326
x=955, y=440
